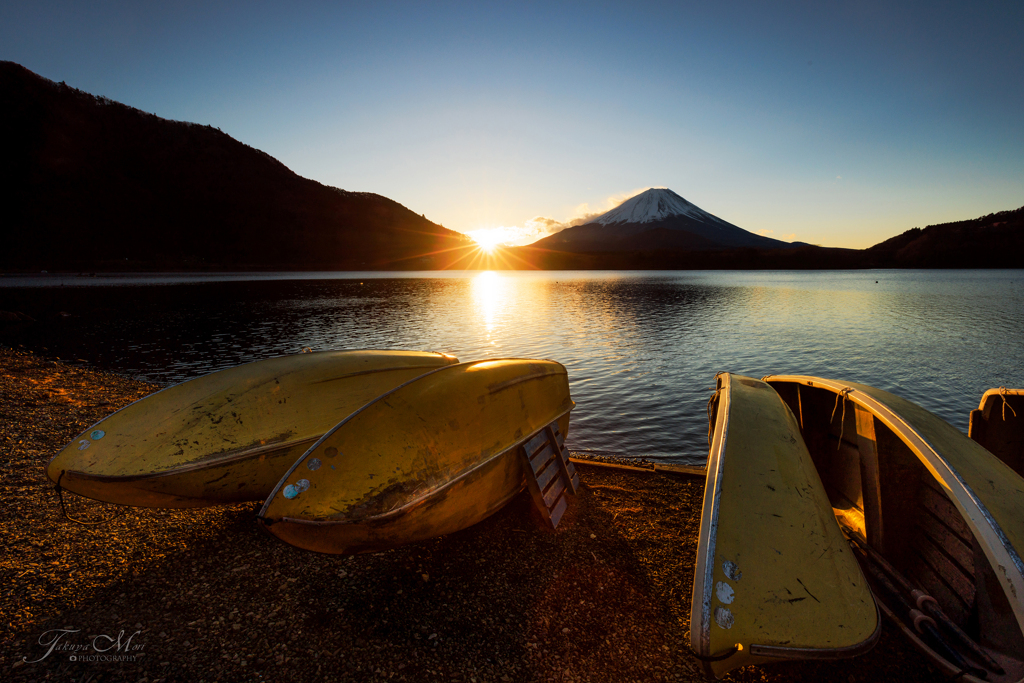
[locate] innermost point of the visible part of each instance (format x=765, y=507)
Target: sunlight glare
x=488, y=239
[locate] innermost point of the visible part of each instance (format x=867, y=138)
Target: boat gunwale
x=284, y=478
x=199, y=466
x=998, y=549
x=235, y=367
x=998, y=391
x=700, y=631
x=821, y=653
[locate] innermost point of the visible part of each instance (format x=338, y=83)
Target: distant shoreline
x=232, y=272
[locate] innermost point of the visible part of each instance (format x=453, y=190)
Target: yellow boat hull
x=429, y=458
x=774, y=578
x=228, y=436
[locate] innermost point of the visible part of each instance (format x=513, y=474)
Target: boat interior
x=882, y=494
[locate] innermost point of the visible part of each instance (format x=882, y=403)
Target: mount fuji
x=656, y=219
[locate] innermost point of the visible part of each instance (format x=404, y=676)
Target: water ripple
x=641, y=348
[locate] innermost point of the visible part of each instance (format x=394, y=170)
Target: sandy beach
x=203, y=595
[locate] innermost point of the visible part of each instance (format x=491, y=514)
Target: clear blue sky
x=838, y=123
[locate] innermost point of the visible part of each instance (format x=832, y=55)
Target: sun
x=488, y=239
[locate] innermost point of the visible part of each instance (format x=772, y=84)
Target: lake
x=642, y=348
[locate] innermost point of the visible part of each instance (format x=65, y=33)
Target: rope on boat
x=267, y=521
x=844, y=392
x=60, y=495
x=1003, y=393
x=717, y=658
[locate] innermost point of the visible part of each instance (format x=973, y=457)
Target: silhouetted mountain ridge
x=89, y=183
x=992, y=241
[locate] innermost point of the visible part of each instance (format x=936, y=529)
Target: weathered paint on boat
x=774, y=576
x=933, y=503
x=998, y=425
x=228, y=436
x=431, y=457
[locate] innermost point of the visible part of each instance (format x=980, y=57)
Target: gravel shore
x=205, y=596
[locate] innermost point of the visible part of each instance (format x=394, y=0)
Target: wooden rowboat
x=228, y=436
x=774, y=577
x=433, y=456
x=998, y=425
x=937, y=519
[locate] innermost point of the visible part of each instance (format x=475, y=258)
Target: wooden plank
x=569, y=466
x=953, y=606
x=559, y=458
x=959, y=584
x=871, y=491
x=950, y=543
x=535, y=443
x=900, y=474
x=574, y=477
x=535, y=490
x=546, y=475
x=557, y=511
x=553, y=492
x=573, y=480
x=541, y=457
x=684, y=470
x=844, y=470
x=943, y=509
x=611, y=465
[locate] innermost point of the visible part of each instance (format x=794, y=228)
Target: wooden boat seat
x=549, y=474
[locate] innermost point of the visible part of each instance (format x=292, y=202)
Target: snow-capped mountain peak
x=656, y=219
x=655, y=204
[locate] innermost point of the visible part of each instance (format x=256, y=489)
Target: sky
x=840, y=124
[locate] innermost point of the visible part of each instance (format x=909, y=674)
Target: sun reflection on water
x=491, y=296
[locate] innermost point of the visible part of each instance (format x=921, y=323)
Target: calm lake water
x=641, y=348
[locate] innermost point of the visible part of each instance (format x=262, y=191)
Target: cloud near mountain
x=540, y=227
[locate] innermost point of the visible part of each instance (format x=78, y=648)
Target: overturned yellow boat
x=938, y=521
x=998, y=425
x=774, y=577
x=228, y=436
x=433, y=456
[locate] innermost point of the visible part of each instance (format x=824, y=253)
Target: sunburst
x=488, y=239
